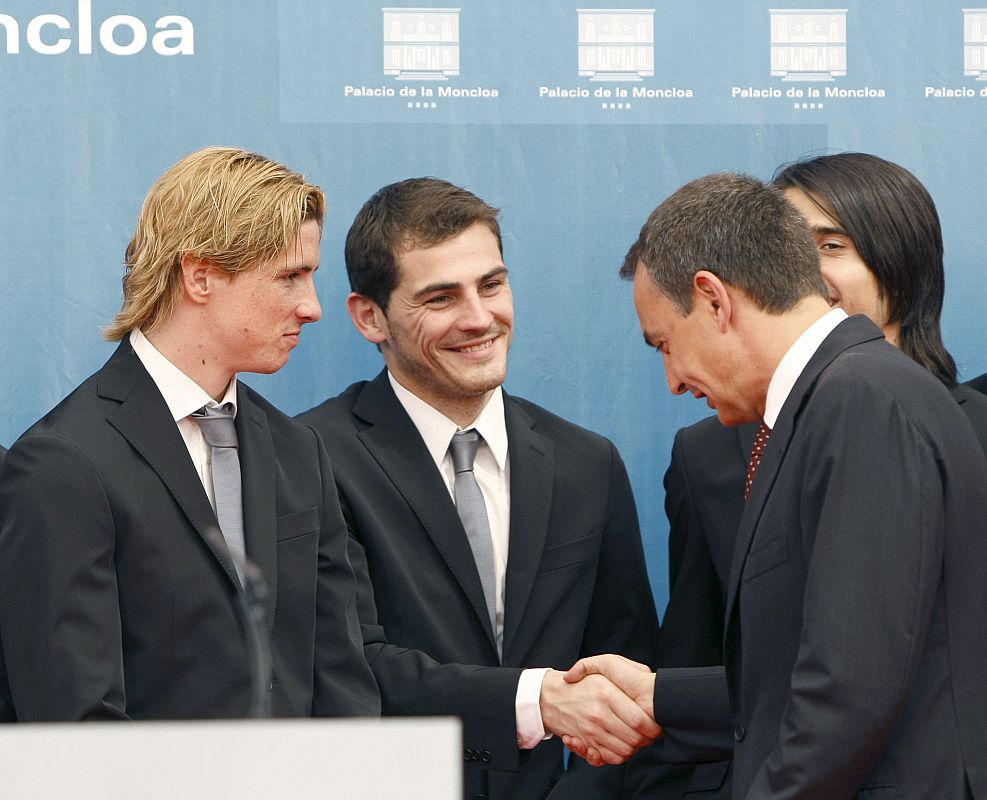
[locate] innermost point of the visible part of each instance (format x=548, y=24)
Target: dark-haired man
x=854, y=628
x=475, y=575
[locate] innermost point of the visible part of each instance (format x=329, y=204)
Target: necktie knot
x=463, y=448
x=217, y=426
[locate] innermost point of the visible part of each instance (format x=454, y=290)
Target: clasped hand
x=601, y=707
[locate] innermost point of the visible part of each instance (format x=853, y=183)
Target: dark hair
x=894, y=226
x=740, y=229
x=414, y=213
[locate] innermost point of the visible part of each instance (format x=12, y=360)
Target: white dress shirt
x=493, y=474
x=794, y=361
x=183, y=397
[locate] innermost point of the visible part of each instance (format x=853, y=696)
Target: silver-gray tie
x=219, y=432
x=473, y=512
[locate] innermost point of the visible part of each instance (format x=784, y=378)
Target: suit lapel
x=258, y=467
x=532, y=459
x=144, y=420
x=848, y=333
x=397, y=447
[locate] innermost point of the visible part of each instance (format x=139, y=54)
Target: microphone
x=250, y=604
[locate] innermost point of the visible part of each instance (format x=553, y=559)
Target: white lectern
x=418, y=759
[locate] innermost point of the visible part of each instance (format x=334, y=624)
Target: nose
x=474, y=314
x=309, y=309
x=675, y=384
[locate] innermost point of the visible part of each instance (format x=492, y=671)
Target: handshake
x=603, y=708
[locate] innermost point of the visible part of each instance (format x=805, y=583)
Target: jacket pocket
x=765, y=557
x=298, y=523
x=570, y=553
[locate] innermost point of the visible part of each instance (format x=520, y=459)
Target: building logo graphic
x=975, y=42
x=808, y=44
x=421, y=44
x=616, y=44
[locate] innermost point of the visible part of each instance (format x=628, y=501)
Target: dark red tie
x=763, y=434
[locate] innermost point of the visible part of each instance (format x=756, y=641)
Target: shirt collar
x=793, y=362
x=437, y=429
x=183, y=395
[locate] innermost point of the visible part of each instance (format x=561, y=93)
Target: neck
x=193, y=355
x=462, y=411
x=892, y=332
x=775, y=335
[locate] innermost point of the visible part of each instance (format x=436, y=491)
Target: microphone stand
x=250, y=605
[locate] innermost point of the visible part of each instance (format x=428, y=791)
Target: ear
x=712, y=296
x=196, y=275
x=368, y=317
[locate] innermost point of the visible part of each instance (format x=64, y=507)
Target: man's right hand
x=636, y=681
x=593, y=711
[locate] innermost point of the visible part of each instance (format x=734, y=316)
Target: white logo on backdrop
x=975, y=42
x=808, y=44
x=421, y=43
x=616, y=44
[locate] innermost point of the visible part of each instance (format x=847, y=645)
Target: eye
x=439, y=300
x=289, y=277
x=492, y=285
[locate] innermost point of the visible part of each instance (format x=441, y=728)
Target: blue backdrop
x=98, y=97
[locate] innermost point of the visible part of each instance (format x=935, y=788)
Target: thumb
x=582, y=668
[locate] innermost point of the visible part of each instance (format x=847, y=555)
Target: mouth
x=474, y=347
x=293, y=337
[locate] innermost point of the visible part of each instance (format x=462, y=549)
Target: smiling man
x=854, y=636
x=127, y=512
x=491, y=539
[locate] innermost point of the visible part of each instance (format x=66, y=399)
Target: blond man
x=123, y=536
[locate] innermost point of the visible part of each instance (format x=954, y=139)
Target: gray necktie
x=473, y=512
x=219, y=432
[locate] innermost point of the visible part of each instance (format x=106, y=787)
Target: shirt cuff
x=527, y=709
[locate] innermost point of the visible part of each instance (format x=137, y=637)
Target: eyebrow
x=829, y=230
x=446, y=286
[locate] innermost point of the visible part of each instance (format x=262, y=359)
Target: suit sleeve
x=692, y=628
x=873, y=579
x=414, y=684
x=59, y=616
x=344, y=683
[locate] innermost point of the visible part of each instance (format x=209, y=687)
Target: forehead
x=655, y=311
x=465, y=256
x=811, y=209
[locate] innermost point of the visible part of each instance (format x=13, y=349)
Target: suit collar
x=532, y=484
x=396, y=445
x=259, y=479
x=144, y=420
x=849, y=333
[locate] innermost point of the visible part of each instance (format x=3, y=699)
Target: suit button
x=486, y=757
x=739, y=733
x=470, y=754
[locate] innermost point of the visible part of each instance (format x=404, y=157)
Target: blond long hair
x=234, y=208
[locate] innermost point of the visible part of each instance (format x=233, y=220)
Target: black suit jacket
x=855, y=597
x=979, y=383
x=114, y=602
x=6, y=706
x=576, y=582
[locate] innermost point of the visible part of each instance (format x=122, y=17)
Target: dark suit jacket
x=113, y=601
x=855, y=597
x=979, y=383
x=6, y=706
x=576, y=581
